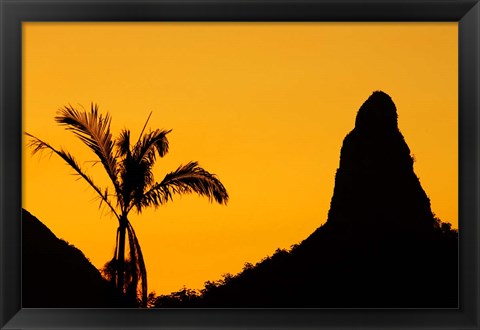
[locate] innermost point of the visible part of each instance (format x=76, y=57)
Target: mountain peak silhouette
x=375, y=184
x=377, y=113
x=381, y=246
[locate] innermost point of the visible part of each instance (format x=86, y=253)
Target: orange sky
x=265, y=106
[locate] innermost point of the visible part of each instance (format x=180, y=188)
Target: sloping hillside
x=55, y=273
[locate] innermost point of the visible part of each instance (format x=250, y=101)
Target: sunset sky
x=265, y=106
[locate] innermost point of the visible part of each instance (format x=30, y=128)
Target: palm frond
x=150, y=144
x=135, y=177
x=139, y=270
x=144, y=126
x=93, y=129
x=135, y=169
x=190, y=178
x=135, y=271
x=38, y=145
x=123, y=143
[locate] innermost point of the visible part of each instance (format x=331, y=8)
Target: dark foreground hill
x=381, y=246
x=55, y=274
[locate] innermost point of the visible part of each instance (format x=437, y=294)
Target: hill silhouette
x=381, y=246
x=55, y=274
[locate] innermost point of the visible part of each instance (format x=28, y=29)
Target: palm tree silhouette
x=129, y=168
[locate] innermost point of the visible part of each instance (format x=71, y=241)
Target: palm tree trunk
x=121, y=259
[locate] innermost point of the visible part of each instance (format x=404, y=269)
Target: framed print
x=239, y=164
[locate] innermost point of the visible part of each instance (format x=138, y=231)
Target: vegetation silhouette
x=129, y=168
x=381, y=246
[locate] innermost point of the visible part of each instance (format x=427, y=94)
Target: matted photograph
x=240, y=165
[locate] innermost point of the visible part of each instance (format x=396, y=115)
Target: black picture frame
x=14, y=12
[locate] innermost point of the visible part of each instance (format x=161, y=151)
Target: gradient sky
x=265, y=106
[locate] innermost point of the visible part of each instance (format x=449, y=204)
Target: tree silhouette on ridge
x=129, y=168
